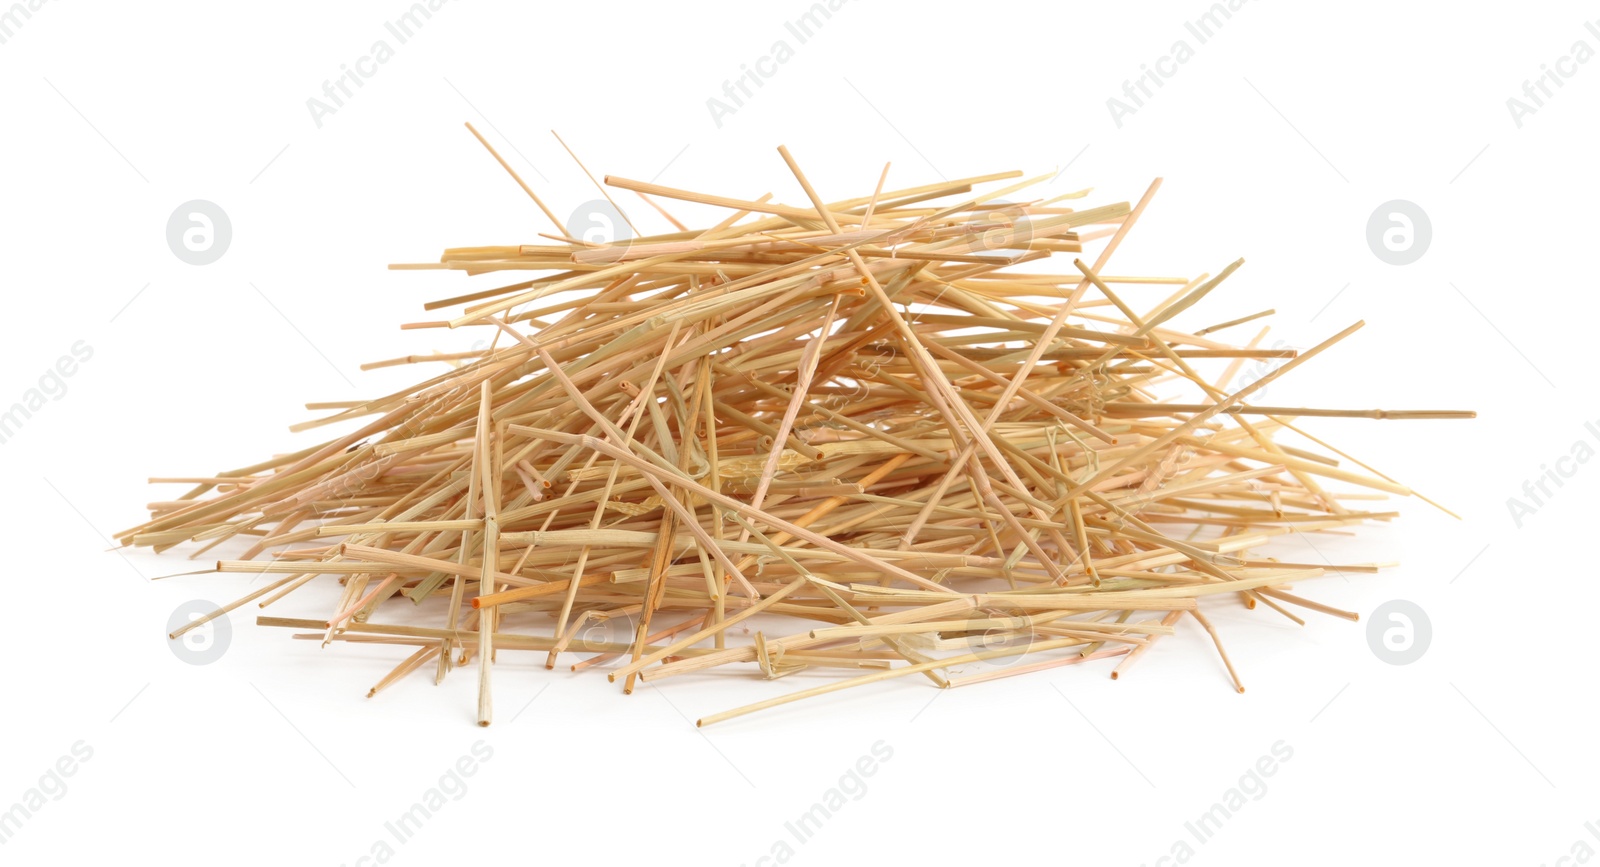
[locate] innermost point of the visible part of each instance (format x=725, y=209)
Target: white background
x=1277, y=140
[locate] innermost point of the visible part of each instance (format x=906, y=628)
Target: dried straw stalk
x=877, y=437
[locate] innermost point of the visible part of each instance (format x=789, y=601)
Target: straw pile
x=860, y=439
